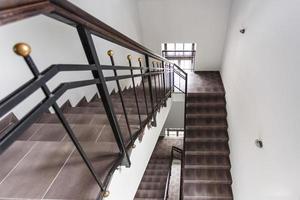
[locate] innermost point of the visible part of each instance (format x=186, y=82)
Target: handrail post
x=150, y=90
x=110, y=54
x=143, y=84
x=90, y=51
x=158, y=78
x=134, y=90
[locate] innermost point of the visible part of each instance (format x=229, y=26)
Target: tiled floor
x=204, y=82
x=37, y=165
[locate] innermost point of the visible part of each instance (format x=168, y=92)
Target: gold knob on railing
x=129, y=57
x=105, y=193
x=22, y=49
x=110, y=53
x=140, y=59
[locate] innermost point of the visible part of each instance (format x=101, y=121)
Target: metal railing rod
x=158, y=80
x=143, y=85
x=179, y=89
x=150, y=88
x=113, y=78
x=90, y=51
x=155, y=86
x=110, y=54
x=134, y=90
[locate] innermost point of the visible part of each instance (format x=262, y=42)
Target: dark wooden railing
x=157, y=80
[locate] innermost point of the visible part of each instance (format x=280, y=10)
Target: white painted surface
x=201, y=21
x=54, y=42
x=261, y=77
x=175, y=118
x=125, y=182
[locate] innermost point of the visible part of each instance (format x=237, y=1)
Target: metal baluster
x=158, y=78
x=164, y=78
x=155, y=86
x=134, y=90
x=150, y=90
x=173, y=73
x=153, y=63
x=110, y=53
x=170, y=78
x=143, y=84
x=24, y=50
x=90, y=51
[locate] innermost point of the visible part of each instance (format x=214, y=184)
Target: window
x=174, y=132
x=182, y=54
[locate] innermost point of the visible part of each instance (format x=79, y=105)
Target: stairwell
x=206, y=167
x=155, y=179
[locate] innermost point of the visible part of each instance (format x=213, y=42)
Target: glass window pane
x=163, y=46
x=188, y=46
x=171, y=46
x=179, y=46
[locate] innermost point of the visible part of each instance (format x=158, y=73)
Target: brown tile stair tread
x=46, y=160
x=207, y=161
x=207, y=176
x=148, y=193
x=209, y=135
x=206, y=148
x=206, y=167
x=207, y=191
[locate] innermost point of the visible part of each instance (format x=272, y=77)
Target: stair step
x=158, y=166
x=206, y=108
x=95, y=110
x=156, y=172
x=75, y=118
x=207, y=162
x=219, y=176
x=94, y=119
x=202, y=120
x=152, y=186
x=150, y=193
x=206, y=148
x=56, y=132
x=206, y=97
x=206, y=134
x=159, y=161
x=152, y=178
x=207, y=191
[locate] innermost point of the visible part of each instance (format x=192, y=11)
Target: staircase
x=155, y=179
x=206, y=168
x=44, y=156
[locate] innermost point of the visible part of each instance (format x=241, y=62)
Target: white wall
x=125, y=182
x=261, y=76
x=201, y=21
x=175, y=118
x=53, y=42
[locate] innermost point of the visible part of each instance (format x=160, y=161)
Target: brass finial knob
x=140, y=59
x=110, y=53
x=129, y=57
x=22, y=49
x=106, y=193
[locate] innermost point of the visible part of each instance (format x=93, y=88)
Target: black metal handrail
x=158, y=76
x=178, y=150
x=156, y=81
